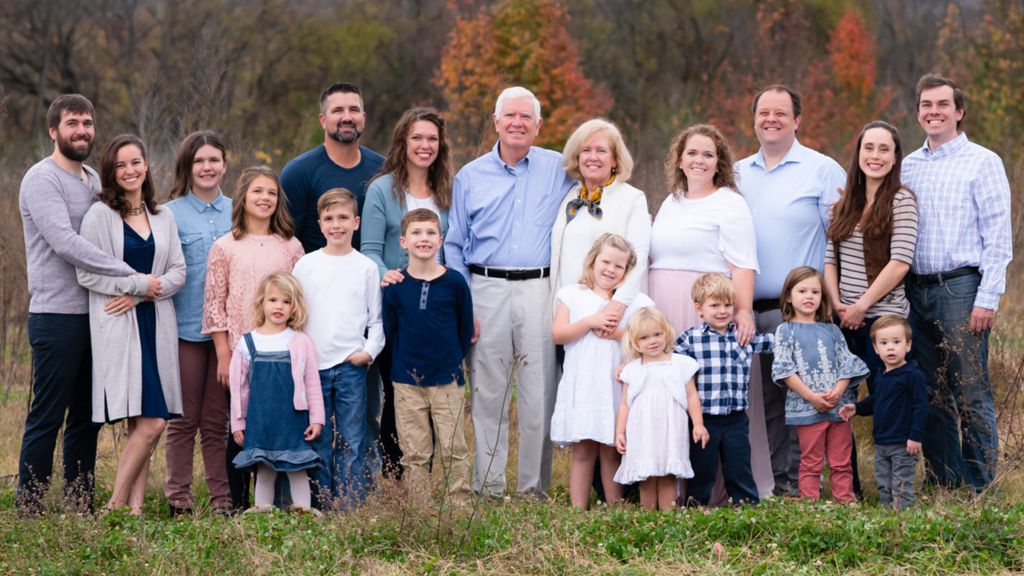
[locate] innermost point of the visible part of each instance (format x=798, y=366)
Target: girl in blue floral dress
x=813, y=361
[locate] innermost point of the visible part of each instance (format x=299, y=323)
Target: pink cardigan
x=308, y=395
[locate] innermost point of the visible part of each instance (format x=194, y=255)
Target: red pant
x=816, y=440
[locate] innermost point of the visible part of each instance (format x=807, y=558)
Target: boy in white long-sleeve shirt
x=342, y=289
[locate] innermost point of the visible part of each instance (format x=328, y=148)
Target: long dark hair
x=187, y=155
x=113, y=195
x=281, y=222
x=439, y=175
x=849, y=210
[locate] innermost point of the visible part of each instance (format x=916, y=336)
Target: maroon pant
x=206, y=411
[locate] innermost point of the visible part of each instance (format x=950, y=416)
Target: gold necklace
x=137, y=210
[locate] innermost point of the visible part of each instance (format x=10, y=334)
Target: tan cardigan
x=116, y=351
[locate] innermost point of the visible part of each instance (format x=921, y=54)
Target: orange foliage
x=516, y=42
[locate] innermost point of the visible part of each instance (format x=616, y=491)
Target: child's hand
x=313, y=432
x=602, y=321
x=239, y=437
x=224, y=370
x=913, y=447
x=819, y=402
x=701, y=436
x=832, y=397
x=618, y=373
x=361, y=358
x=848, y=411
x=620, y=443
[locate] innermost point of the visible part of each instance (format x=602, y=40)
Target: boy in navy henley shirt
x=428, y=319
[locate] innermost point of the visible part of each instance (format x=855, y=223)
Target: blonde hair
x=337, y=197
x=713, y=285
x=291, y=288
x=640, y=322
x=796, y=276
x=571, y=153
x=612, y=241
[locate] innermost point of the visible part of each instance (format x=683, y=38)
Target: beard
x=73, y=153
x=346, y=137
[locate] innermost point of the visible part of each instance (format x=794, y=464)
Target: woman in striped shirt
x=871, y=239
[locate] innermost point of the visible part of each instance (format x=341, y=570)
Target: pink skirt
x=670, y=290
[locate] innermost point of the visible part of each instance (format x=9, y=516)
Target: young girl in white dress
x=651, y=431
x=584, y=415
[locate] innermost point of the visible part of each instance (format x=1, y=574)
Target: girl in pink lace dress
x=261, y=243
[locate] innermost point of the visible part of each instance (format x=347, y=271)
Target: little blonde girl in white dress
x=652, y=429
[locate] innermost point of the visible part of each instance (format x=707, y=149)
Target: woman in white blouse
x=602, y=202
x=703, y=226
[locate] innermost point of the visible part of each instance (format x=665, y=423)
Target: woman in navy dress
x=132, y=321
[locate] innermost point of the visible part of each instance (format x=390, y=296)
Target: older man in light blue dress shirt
x=789, y=189
x=957, y=278
x=499, y=237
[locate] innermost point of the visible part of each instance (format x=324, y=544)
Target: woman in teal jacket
x=416, y=174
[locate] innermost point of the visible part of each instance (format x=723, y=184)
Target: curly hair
x=724, y=176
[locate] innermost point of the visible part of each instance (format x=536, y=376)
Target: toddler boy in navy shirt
x=428, y=319
x=722, y=384
x=900, y=407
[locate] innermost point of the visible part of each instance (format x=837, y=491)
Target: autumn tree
x=515, y=42
x=844, y=81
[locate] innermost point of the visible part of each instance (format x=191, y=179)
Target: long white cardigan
x=116, y=351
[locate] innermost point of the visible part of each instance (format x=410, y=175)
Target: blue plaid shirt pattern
x=724, y=375
x=963, y=199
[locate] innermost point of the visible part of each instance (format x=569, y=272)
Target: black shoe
x=174, y=511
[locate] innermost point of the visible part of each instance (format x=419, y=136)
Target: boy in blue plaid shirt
x=722, y=384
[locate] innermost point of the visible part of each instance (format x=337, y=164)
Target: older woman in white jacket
x=132, y=321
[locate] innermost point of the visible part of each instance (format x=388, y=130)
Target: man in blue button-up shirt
x=499, y=237
x=789, y=189
x=958, y=275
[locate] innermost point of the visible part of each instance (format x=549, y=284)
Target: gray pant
x=782, y=440
x=894, y=472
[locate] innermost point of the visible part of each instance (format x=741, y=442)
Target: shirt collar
x=729, y=332
x=497, y=158
x=947, y=149
x=199, y=205
x=797, y=152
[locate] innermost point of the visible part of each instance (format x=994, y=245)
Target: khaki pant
x=415, y=408
x=515, y=334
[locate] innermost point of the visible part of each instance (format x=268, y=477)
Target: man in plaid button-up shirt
x=957, y=277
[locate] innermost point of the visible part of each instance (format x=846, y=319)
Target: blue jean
x=343, y=477
x=728, y=442
x=61, y=385
x=955, y=362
